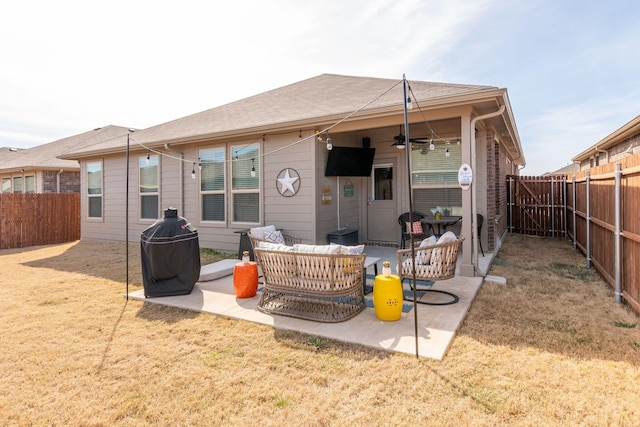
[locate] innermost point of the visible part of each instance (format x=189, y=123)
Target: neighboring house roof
x=619, y=135
x=313, y=102
x=44, y=157
x=568, y=169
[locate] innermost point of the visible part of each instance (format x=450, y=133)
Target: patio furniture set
x=326, y=282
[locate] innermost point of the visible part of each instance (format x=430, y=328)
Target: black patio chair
x=409, y=217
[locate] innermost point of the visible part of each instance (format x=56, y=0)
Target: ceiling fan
x=400, y=140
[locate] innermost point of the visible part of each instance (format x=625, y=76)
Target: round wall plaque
x=288, y=182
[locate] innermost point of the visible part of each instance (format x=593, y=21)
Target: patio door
x=382, y=214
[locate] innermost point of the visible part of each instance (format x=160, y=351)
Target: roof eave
x=624, y=132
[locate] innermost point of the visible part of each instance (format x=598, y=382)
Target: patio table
x=444, y=221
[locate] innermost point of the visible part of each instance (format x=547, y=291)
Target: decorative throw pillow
x=424, y=256
x=415, y=227
x=350, y=250
x=438, y=254
x=447, y=237
x=273, y=236
x=258, y=232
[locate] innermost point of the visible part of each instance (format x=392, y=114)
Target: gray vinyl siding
x=292, y=214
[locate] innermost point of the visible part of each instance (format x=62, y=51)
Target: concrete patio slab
x=437, y=325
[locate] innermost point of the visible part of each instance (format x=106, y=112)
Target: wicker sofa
x=301, y=282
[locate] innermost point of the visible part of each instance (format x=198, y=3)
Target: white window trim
x=141, y=194
x=201, y=193
x=101, y=195
x=246, y=191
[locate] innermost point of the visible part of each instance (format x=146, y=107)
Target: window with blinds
x=212, y=184
x=6, y=185
x=245, y=183
x=30, y=184
x=94, y=189
x=17, y=184
x=148, y=188
x=435, y=177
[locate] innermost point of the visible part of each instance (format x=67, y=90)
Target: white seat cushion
x=217, y=270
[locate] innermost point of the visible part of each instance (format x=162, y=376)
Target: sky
x=571, y=67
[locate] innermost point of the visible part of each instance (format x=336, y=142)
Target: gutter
x=474, y=207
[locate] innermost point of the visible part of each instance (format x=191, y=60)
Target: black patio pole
x=126, y=218
x=407, y=145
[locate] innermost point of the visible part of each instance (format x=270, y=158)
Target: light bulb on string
x=329, y=144
x=253, y=169
x=193, y=171
x=148, y=156
x=409, y=103
x=447, y=153
x=432, y=145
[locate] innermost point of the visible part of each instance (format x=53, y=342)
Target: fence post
x=553, y=210
x=564, y=207
x=510, y=206
x=573, y=182
x=588, y=223
x=617, y=237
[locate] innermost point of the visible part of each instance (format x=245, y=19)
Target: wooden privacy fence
x=604, y=223
x=38, y=219
x=536, y=205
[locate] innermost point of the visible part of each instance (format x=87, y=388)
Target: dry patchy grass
x=548, y=348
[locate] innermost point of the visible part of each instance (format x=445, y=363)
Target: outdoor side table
x=388, y=297
x=245, y=279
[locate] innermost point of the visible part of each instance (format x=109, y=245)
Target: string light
x=148, y=156
x=409, y=103
x=432, y=145
x=193, y=171
x=329, y=144
x=253, y=169
x=446, y=152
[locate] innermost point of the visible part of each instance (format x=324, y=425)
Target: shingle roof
x=44, y=156
x=324, y=96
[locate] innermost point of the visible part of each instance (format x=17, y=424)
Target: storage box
x=344, y=237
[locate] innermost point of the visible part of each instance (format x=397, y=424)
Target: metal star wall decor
x=288, y=182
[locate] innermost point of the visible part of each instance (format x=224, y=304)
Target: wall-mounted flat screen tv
x=350, y=161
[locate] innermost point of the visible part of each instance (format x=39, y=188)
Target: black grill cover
x=170, y=256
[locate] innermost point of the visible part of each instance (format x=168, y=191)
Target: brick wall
x=496, y=220
x=69, y=182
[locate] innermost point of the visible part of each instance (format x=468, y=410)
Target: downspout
x=597, y=150
x=474, y=207
x=58, y=180
x=181, y=187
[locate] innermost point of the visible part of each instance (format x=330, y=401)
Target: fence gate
x=536, y=205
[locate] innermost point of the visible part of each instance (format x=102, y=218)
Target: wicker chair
x=434, y=262
x=319, y=287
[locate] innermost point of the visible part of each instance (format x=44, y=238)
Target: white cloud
x=72, y=65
